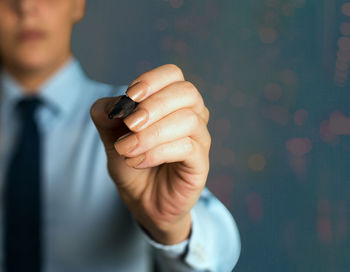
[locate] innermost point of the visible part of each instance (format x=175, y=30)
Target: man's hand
x=161, y=166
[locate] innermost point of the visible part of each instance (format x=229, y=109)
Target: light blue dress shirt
x=86, y=226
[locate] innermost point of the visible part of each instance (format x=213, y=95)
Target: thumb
x=109, y=129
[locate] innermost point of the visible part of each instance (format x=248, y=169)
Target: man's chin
x=31, y=65
x=34, y=65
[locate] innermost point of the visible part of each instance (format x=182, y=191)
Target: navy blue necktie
x=22, y=242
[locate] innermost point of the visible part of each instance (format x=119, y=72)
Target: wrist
x=169, y=234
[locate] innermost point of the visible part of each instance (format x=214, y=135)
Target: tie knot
x=27, y=106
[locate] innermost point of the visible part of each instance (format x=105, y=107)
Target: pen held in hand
x=123, y=107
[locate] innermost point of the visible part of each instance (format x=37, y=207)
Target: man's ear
x=79, y=7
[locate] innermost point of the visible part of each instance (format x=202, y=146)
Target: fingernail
x=126, y=144
x=133, y=84
x=136, y=120
x=124, y=136
x=138, y=91
x=134, y=162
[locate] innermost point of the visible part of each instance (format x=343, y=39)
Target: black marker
x=123, y=107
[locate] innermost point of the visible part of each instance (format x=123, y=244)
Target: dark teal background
x=274, y=74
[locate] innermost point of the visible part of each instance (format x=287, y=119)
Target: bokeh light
x=299, y=146
x=268, y=35
x=345, y=29
x=257, y=162
x=288, y=77
x=346, y=9
x=300, y=117
x=176, y=3
x=339, y=124
x=181, y=47
x=167, y=43
x=299, y=166
x=344, y=43
x=272, y=92
x=324, y=229
x=327, y=135
x=276, y=113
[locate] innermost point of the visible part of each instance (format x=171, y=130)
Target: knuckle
x=195, y=120
x=143, y=82
x=161, y=103
x=146, y=85
x=139, y=137
x=190, y=88
x=208, y=141
x=176, y=70
x=188, y=85
x=156, y=131
x=162, y=150
x=151, y=158
x=189, y=145
x=195, y=124
x=206, y=114
x=192, y=119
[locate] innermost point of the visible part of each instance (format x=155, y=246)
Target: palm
x=167, y=191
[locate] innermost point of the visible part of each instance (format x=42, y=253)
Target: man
x=157, y=159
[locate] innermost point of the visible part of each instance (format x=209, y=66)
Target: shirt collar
x=59, y=92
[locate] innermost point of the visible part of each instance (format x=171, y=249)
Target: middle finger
x=180, y=124
x=181, y=94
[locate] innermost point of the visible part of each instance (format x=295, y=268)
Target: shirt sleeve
x=214, y=243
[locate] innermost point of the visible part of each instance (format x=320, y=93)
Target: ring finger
x=179, y=124
x=181, y=94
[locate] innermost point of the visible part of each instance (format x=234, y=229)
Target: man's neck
x=32, y=80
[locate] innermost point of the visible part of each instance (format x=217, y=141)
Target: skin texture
x=161, y=163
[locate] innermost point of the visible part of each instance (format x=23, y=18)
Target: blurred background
x=274, y=74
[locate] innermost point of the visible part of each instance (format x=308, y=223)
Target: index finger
x=154, y=80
